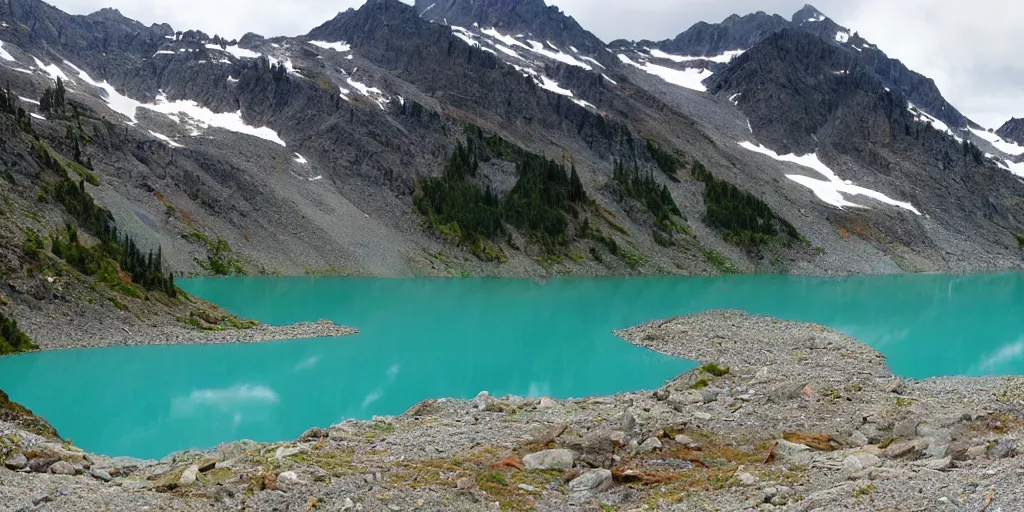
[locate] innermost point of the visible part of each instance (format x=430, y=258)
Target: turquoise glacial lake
x=424, y=338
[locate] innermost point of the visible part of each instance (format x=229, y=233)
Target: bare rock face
x=550, y=459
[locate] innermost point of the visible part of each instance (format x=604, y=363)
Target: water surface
x=432, y=338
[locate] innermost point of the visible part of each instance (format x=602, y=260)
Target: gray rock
x=792, y=453
x=549, y=459
x=939, y=464
x=906, y=429
x=16, y=462
x=100, y=474
x=957, y=450
x=788, y=391
x=661, y=395
x=62, y=467
x=936, y=451
x=649, y=445
x=628, y=422
x=1004, y=448
x=284, y=452
x=897, y=450
x=746, y=478
x=977, y=451
x=592, y=480
x=188, y=477
x=709, y=395
x=528, y=488
x=546, y=403
x=851, y=466
x=703, y=416
x=857, y=438
x=287, y=480
x=41, y=465
x=684, y=440
x=517, y=401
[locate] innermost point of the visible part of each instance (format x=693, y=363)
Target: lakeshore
x=780, y=415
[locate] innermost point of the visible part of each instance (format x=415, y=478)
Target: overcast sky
x=971, y=49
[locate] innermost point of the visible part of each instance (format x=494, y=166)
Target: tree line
x=545, y=194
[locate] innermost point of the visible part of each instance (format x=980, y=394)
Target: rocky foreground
x=782, y=416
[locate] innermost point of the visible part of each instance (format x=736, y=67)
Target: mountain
x=508, y=141
x=1012, y=130
x=531, y=18
x=719, y=42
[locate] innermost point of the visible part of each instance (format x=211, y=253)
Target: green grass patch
x=715, y=369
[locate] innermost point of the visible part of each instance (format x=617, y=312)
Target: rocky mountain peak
x=1012, y=130
x=530, y=17
x=808, y=14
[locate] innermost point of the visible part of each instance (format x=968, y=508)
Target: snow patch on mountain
x=558, y=55
x=51, y=69
x=689, y=78
x=166, y=139
x=372, y=93
x=831, y=189
x=4, y=55
x=188, y=111
x=300, y=159
x=116, y=101
x=724, y=58
x=340, y=46
x=843, y=36
x=997, y=142
x=924, y=117
x=240, y=53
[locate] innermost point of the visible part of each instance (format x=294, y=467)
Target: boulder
x=939, y=464
x=287, y=480
x=546, y=403
x=746, y=479
x=16, y=462
x=627, y=422
x=684, y=440
x=906, y=429
x=977, y=451
x=709, y=395
x=41, y=465
x=858, y=439
x=313, y=434
x=284, y=452
x=792, y=453
x=101, y=475
x=592, y=480
x=661, y=395
x=649, y=445
x=549, y=459
x=189, y=476
x=62, y=467
x=1004, y=448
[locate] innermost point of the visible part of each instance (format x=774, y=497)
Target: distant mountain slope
x=1012, y=130
x=741, y=33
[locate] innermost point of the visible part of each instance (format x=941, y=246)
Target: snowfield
x=831, y=189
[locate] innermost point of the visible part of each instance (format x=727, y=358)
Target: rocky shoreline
x=780, y=416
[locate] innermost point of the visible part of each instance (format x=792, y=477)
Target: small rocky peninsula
x=779, y=416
